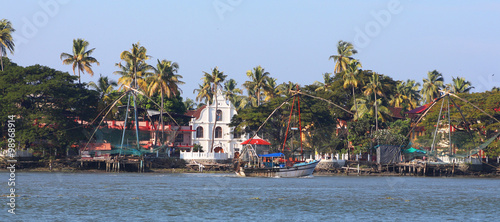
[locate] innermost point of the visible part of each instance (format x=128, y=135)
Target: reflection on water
x=195, y=197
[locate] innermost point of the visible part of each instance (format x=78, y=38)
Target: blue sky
x=291, y=39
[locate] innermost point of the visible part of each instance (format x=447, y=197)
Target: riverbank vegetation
x=55, y=111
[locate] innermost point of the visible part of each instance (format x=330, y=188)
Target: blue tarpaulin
x=272, y=155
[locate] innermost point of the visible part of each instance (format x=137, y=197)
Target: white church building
x=226, y=143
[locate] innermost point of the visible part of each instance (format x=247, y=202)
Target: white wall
x=207, y=119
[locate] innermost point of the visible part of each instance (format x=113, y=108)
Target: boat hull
x=294, y=171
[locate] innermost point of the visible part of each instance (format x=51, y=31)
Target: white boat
x=297, y=170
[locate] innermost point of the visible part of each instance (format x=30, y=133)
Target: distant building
x=227, y=144
x=109, y=136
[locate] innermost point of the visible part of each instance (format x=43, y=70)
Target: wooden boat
x=297, y=170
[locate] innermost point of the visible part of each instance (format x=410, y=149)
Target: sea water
x=225, y=197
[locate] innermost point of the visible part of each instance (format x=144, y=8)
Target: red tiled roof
x=195, y=113
x=419, y=110
x=396, y=112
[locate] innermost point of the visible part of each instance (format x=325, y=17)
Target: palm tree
x=214, y=80
x=135, y=63
x=189, y=104
x=258, y=82
x=231, y=92
x=326, y=84
x=166, y=81
x=374, y=87
x=399, y=98
x=204, y=93
x=368, y=106
x=344, y=52
x=6, y=40
x=105, y=88
x=350, y=77
x=460, y=85
x=406, y=96
x=81, y=58
x=129, y=78
x=286, y=89
x=271, y=90
x=412, y=92
x=432, y=85
x=247, y=101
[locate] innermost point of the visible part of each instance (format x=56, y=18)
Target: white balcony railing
x=204, y=156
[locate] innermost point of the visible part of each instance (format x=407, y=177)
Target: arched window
x=218, y=115
x=218, y=132
x=199, y=132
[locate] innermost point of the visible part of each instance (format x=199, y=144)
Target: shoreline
x=185, y=170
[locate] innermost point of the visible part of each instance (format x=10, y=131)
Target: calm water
x=201, y=197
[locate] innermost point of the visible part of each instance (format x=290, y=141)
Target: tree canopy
x=47, y=104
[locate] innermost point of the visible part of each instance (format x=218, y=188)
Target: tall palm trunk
x=80, y=83
x=215, y=122
x=376, y=113
x=355, y=102
x=161, y=116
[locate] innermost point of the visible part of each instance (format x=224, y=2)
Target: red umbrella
x=256, y=141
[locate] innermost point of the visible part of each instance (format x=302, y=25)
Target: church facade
x=226, y=144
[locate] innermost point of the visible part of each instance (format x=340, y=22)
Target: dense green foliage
x=47, y=104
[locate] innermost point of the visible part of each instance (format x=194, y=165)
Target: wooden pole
x=425, y=168
x=453, y=170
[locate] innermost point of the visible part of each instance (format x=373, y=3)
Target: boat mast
x=449, y=122
x=300, y=126
x=288, y=126
x=296, y=96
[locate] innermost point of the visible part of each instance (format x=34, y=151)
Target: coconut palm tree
x=204, y=93
x=107, y=93
x=135, y=64
x=131, y=78
x=189, y=104
x=247, y=101
x=344, y=52
x=350, y=77
x=374, y=87
x=326, y=84
x=6, y=40
x=166, y=81
x=80, y=59
x=368, y=106
x=286, y=89
x=399, y=98
x=271, y=90
x=214, y=80
x=231, y=92
x=406, y=95
x=412, y=92
x=432, y=85
x=258, y=82
x=460, y=85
